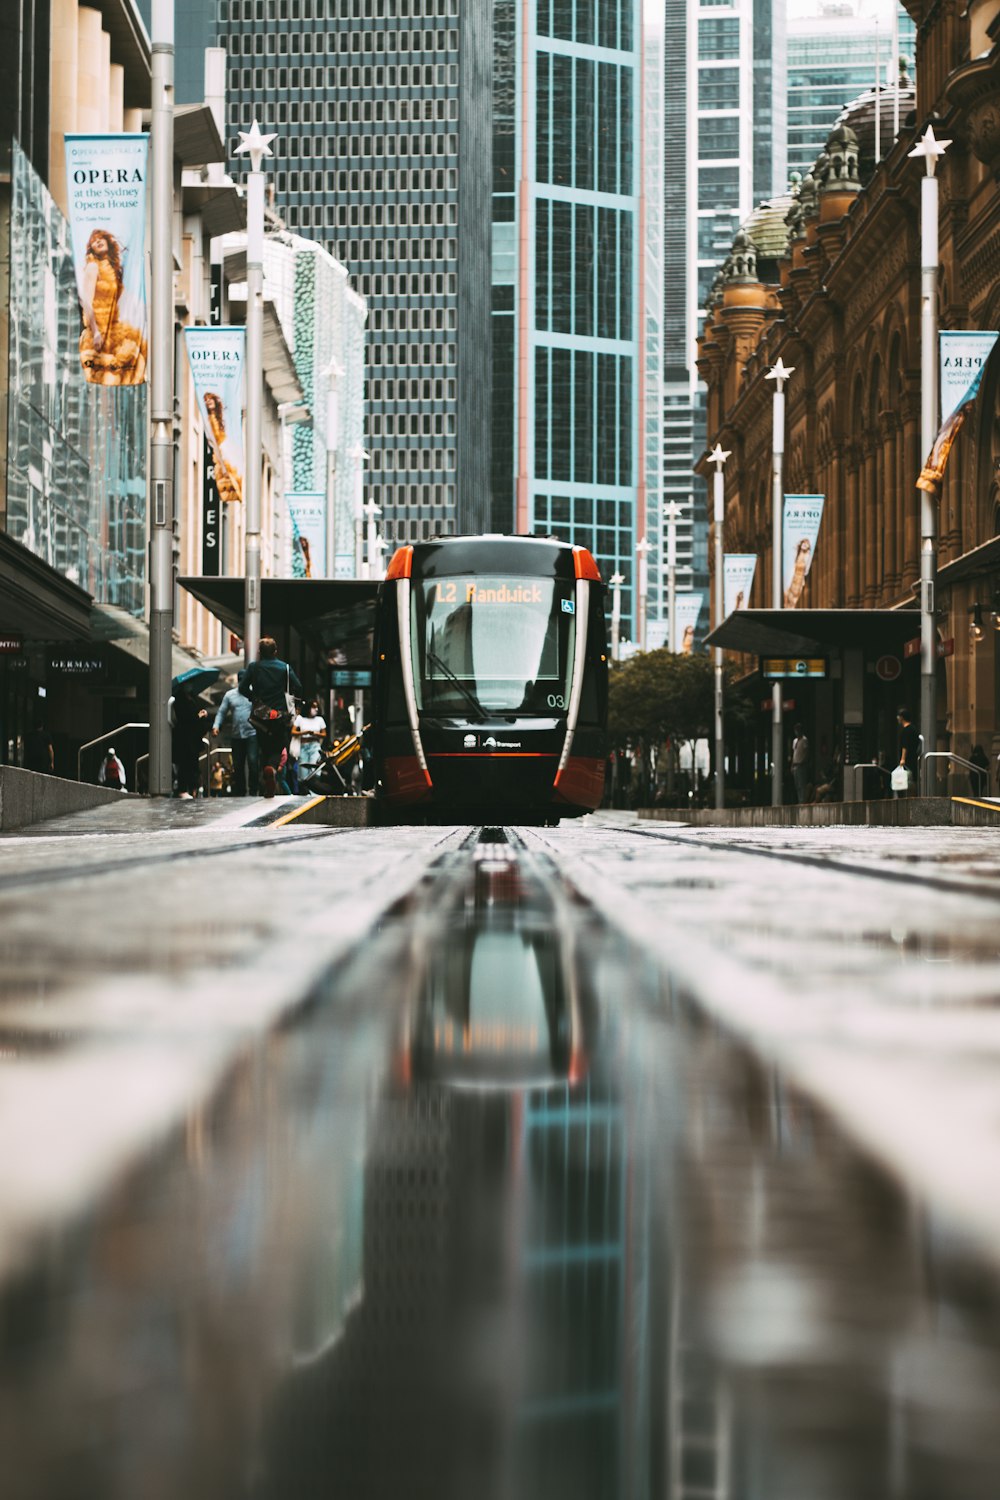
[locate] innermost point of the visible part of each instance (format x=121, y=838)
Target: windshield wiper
x=466, y=692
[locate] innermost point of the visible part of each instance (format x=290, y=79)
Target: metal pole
x=878, y=94
x=161, y=398
x=358, y=454
x=331, y=483
x=372, y=511
x=671, y=511
x=642, y=548
x=779, y=374
x=718, y=457
x=896, y=70
x=257, y=146
x=929, y=149
x=617, y=579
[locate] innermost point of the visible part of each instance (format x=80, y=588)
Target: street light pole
x=642, y=549
x=161, y=398
x=617, y=579
x=929, y=149
x=333, y=374
x=672, y=511
x=718, y=458
x=257, y=146
x=358, y=455
x=372, y=511
x=779, y=373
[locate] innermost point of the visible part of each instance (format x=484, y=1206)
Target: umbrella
x=196, y=680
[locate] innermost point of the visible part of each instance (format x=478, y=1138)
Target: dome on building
x=767, y=232
x=860, y=116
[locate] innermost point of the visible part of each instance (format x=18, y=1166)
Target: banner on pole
x=738, y=570
x=687, y=608
x=964, y=357
x=800, y=528
x=216, y=357
x=308, y=513
x=106, y=183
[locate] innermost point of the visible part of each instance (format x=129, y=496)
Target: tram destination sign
x=350, y=677
x=773, y=667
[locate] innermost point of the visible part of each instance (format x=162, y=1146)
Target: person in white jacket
x=112, y=772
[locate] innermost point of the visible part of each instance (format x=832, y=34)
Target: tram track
x=826, y=863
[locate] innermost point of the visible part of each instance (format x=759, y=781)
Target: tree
x=659, y=695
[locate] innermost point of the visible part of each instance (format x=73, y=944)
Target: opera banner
x=802, y=515
x=216, y=357
x=106, y=182
x=738, y=570
x=687, y=608
x=308, y=513
x=964, y=357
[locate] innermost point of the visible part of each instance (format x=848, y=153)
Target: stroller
x=332, y=774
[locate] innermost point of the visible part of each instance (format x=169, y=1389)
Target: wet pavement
x=500, y=1211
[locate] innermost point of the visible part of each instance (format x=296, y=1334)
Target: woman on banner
x=112, y=351
x=797, y=582
x=228, y=476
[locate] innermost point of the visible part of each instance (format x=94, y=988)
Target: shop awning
x=36, y=600
x=976, y=563
x=801, y=632
x=323, y=610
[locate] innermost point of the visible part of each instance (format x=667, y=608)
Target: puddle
x=500, y=1214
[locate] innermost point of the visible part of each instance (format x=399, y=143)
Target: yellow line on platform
x=993, y=807
x=297, y=812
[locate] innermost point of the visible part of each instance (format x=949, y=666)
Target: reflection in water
x=500, y=1216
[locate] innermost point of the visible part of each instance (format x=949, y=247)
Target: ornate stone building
x=829, y=280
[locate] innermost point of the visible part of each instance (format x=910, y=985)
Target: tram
x=490, y=682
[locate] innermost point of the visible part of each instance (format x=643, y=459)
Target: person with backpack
x=112, y=772
x=272, y=688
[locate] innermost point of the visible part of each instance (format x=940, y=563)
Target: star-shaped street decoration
x=616, y=580
x=642, y=546
x=257, y=144
x=780, y=372
x=930, y=148
x=719, y=455
x=673, y=510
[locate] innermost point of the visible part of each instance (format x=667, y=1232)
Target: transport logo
x=492, y=743
x=469, y=742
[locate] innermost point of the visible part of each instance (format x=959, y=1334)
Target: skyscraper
x=570, y=378
x=725, y=149
x=382, y=114
x=835, y=50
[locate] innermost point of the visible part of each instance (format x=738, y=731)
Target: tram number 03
x=556, y=700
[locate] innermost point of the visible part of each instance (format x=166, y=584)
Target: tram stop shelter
x=846, y=673
x=323, y=626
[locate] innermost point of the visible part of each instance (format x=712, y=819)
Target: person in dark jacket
x=188, y=734
x=270, y=682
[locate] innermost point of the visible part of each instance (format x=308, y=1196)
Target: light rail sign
x=773, y=667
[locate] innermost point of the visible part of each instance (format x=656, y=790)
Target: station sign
x=773, y=667
x=350, y=677
x=888, y=668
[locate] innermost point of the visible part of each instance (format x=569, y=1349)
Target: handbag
x=272, y=719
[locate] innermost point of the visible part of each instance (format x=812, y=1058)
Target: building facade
x=382, y=156
x=570, y=379
x=725, y=89
x=842, y=305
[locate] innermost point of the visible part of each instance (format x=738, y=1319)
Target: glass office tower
x=570, y=371
x=382, y=112
x=725, y=150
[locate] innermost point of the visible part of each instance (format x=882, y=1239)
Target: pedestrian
x=38, y=752
x=112, y=772
x=909, y=750
x=271, y=686
x=188, y=730
x=217, y=779
x=308, y=734
x=800, y=763
x=236, y=707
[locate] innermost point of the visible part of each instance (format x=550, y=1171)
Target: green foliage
x=659, y=695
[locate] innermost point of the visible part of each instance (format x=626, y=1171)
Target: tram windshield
x=493, y=644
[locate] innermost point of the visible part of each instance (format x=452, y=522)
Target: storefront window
x=76, y=453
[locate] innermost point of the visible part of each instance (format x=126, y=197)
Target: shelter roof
x=799, y=632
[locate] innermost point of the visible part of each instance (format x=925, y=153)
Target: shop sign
x=11, y=645
x=888, y=668
x=211, y=537
x=944, y=648
x=81, y=665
